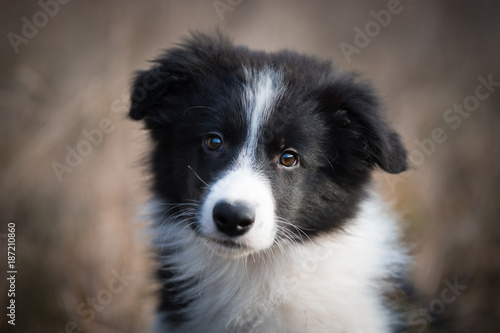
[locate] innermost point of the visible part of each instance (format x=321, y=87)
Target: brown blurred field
x=75, y=235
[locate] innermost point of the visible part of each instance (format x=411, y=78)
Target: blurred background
x=72, y=180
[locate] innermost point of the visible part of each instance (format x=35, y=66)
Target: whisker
x=186, y=214
x=299, y=230
x=197, y=176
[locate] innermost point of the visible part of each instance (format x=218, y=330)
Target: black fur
x=331, y=119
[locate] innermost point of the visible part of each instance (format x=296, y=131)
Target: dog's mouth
x=231, y=244
x=224, y=242
x=225, y=247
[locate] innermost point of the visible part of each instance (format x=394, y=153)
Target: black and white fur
x=265, y=217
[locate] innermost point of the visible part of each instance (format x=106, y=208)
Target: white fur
x=328, y=284
x=244, y=182
x=261, y=92
x=244, y=185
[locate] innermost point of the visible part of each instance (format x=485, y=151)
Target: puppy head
x=268, y=148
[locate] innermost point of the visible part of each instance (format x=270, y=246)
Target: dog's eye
x=289, y=159
x=213, y=142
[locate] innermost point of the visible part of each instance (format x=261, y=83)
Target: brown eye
x=289, y=159
x=213, y=142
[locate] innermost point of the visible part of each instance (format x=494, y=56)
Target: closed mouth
x=225, y=242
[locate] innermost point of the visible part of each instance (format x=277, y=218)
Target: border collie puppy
x=265, y=217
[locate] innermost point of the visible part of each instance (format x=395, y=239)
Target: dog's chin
x=226, y=248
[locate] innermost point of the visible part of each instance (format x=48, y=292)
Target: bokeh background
x=70, y=73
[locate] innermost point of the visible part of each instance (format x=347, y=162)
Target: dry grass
x=72, y=235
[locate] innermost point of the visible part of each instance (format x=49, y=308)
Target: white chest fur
x=329, y=284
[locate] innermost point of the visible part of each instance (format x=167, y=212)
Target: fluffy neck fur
x=332, y=283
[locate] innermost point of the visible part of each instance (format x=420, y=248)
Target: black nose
x=233, y=219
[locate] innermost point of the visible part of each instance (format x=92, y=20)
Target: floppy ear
x=156, y=92
x=147, y=89
x=163, y=84
x=356, y=111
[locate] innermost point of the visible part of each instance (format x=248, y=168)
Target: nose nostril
x=245, y=223
x=233, y=219
x=219, y=218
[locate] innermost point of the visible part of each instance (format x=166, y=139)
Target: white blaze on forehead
x=262, y=91
x=243, y=182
